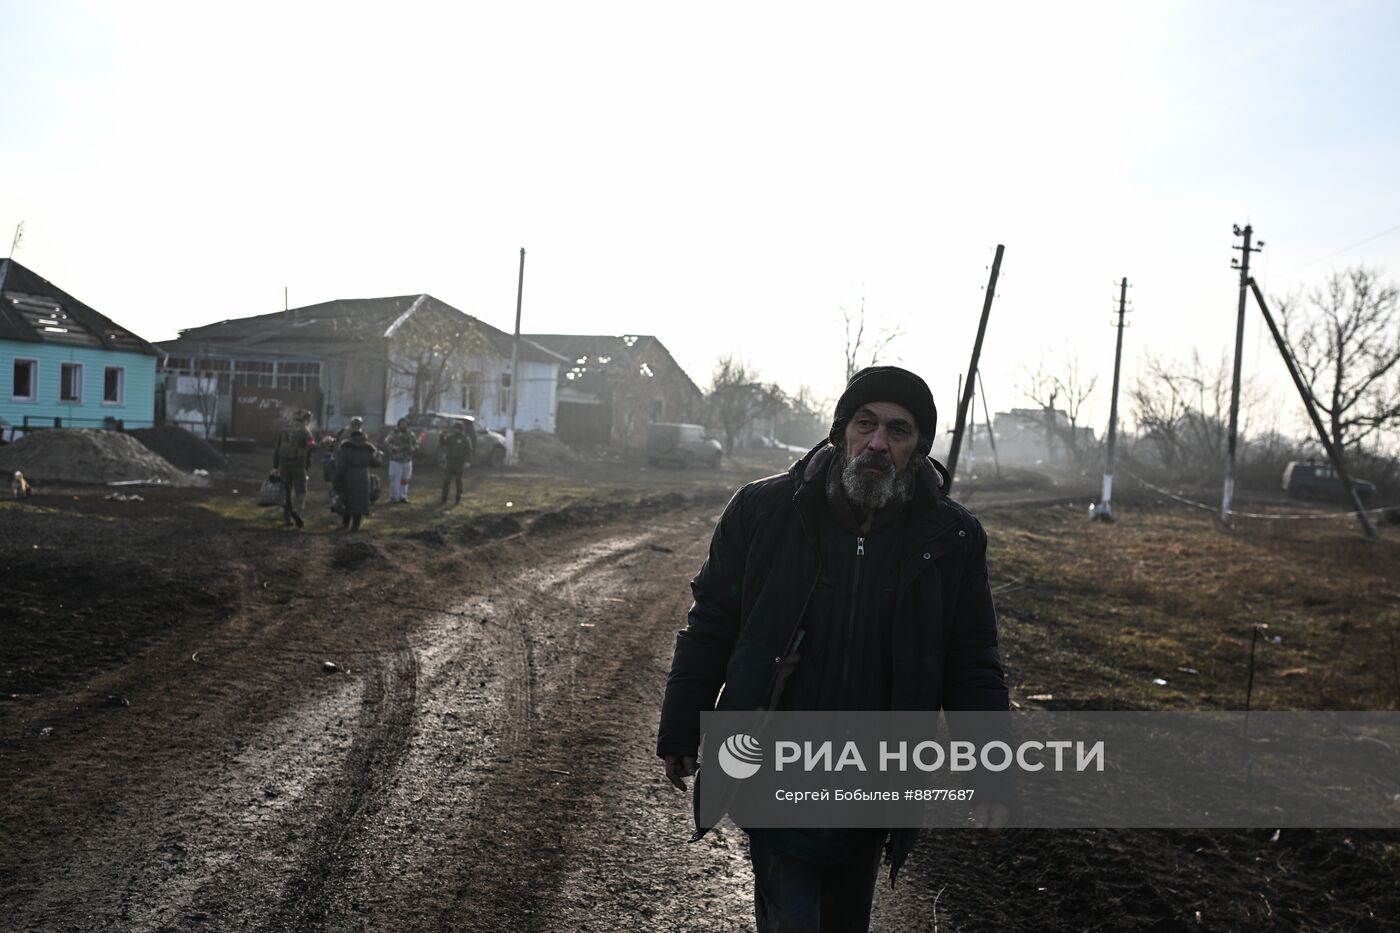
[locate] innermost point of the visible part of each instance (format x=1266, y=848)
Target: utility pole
x=1104, y=510
x=965, y=394
x=515, y=363
x=1333, y=452
x=1243, y=265
x=991, y=435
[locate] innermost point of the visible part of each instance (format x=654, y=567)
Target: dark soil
x=181, y=447
x=174, y=757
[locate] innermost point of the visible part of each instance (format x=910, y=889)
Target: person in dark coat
x=456, y=446
x=904, y=621
x=354, y=460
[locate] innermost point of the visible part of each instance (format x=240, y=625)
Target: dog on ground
x=20, y=486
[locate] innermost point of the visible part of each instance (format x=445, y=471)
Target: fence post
x=26, y=424
x=58, y=422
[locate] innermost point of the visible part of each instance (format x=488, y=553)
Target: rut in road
x=527, y=702
x=382, y=736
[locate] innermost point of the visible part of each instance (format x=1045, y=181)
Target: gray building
x=379, y=358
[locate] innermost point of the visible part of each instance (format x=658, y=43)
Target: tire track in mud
x=487, y=672
x=385, y=721
x=593, y=837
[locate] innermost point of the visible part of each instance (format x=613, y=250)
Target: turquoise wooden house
x=64, y=365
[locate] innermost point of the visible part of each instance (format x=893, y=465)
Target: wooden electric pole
x=991, y=434
x=965, y=396
x=1333, y=452
x=1104, y=510
x=515, y=379
x=1243, y=265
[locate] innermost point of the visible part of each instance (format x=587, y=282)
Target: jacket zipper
x=851, y=616
x=794, y=635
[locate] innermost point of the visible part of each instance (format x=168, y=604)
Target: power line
x=1345, y=249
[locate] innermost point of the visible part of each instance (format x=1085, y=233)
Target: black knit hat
x=886, y=384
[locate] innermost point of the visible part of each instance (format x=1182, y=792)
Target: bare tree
x=1060, y=394
x=1185, y=405
x=803, y=418
x=1160, y=413
x=860, y=354
x=430, y=353
x=1345, y=337
x=737, y=398
x=209, y=378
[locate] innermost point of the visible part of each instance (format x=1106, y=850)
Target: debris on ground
x=538, y=448
x=329, y=667
x=83, y=455
x=1159, y=681
x=123, y=497
x=180, y=447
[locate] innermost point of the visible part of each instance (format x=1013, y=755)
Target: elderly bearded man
x=851, y=582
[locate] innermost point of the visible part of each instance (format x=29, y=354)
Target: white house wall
x=535, y=412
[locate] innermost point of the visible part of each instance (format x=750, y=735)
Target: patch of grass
x=1098, y=611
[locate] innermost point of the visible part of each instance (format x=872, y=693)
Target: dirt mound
x=81, y=455
x=180, y=447
x=353, y=554
x=540, y=449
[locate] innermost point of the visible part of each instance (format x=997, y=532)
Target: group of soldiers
x=348, y=461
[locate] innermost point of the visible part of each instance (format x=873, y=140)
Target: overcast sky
x=724, y=176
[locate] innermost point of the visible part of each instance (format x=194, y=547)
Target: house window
x=70, y=382
x=254, y=374
x=25, y=386
x=113, y=385
x=471, y=391
x=300, y=377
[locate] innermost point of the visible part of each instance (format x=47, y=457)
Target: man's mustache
x=874, y=460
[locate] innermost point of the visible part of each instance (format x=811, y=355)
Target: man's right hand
x=678, y=768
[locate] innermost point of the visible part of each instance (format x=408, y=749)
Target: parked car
x=776, y=444
x=488, y=447
x=1318, y=479
x=684, y=445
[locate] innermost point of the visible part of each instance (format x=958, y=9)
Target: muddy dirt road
x=482, y=759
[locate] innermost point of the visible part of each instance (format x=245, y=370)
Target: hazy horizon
x=726, y=183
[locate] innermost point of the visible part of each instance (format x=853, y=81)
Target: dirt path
x=483, y=767
x=483, y=760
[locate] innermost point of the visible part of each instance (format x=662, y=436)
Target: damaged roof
x=34, y=310
x=595, y=352
x=337, y=322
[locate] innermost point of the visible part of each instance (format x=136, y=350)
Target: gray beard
x=873, y=493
